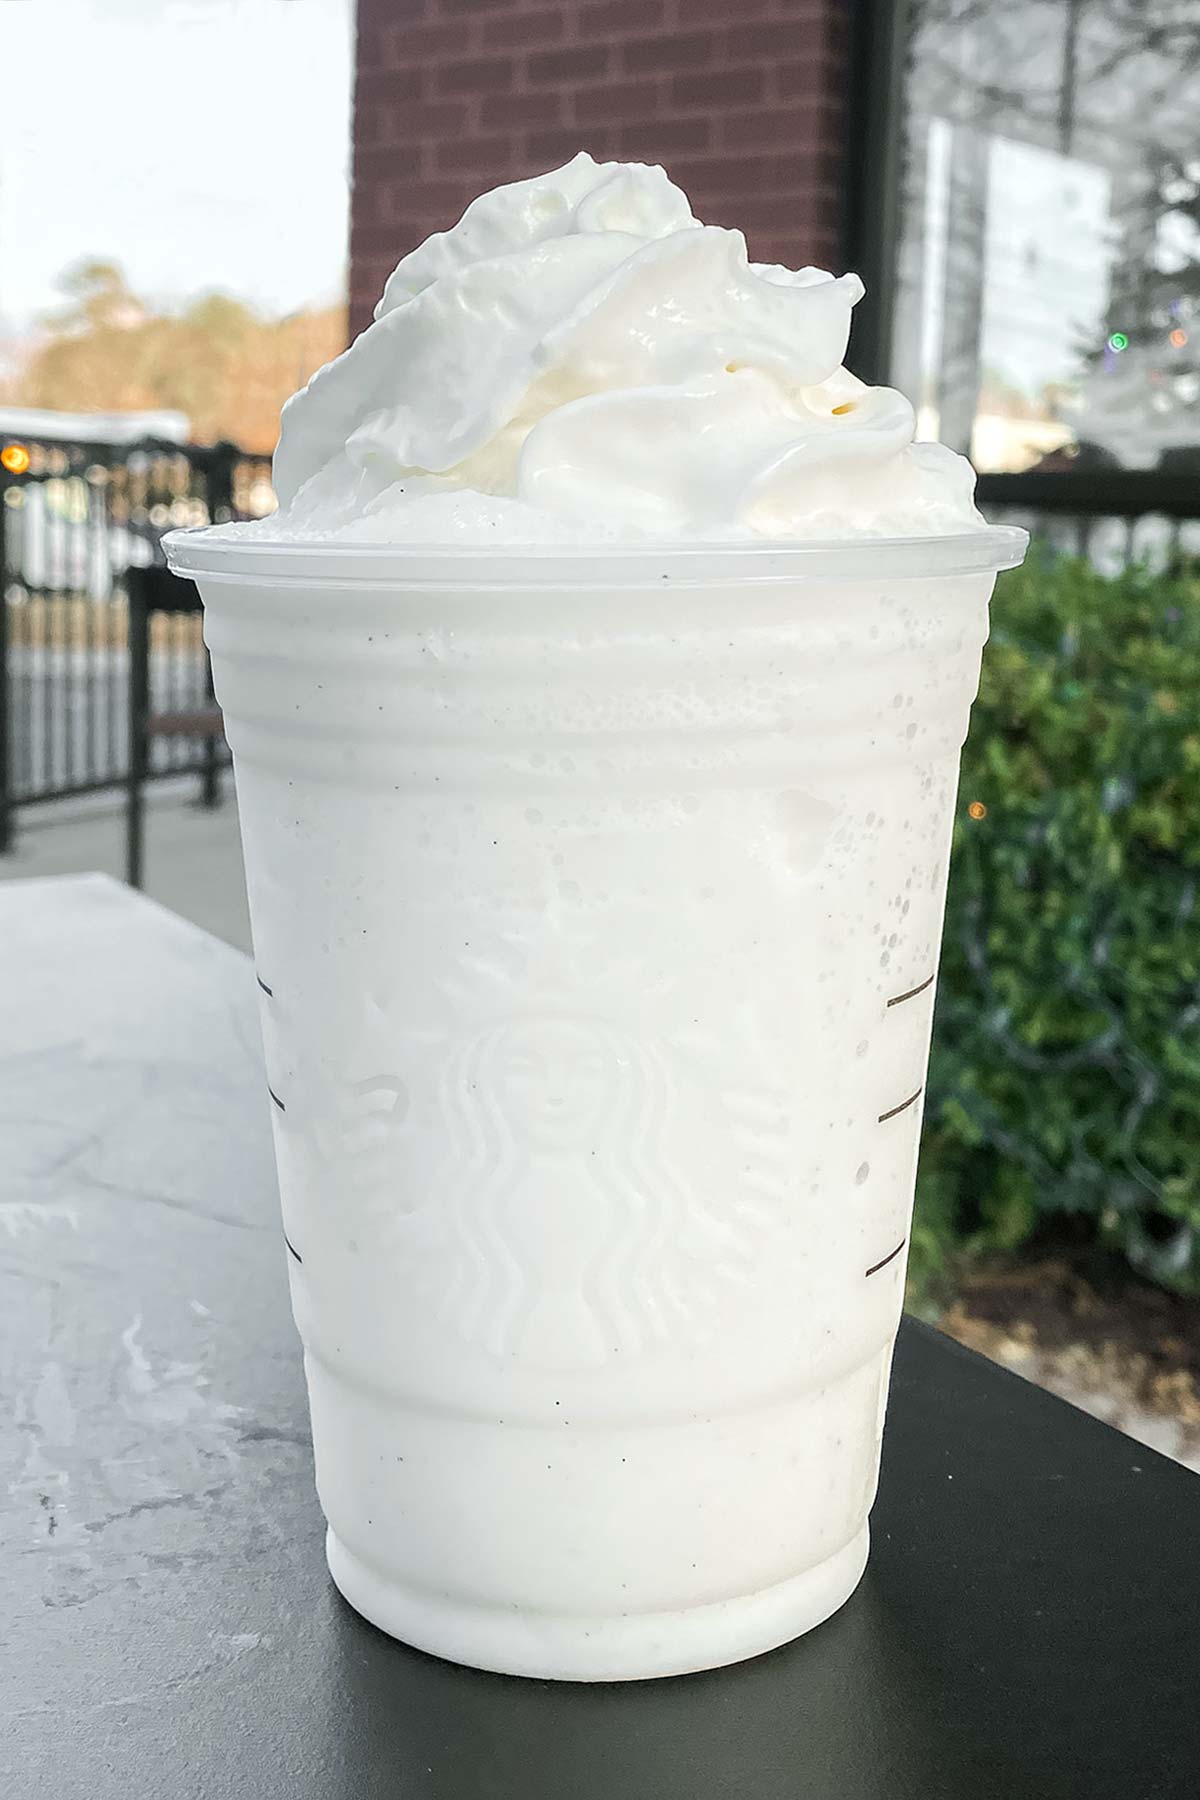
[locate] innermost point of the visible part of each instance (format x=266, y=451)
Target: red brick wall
x=741, y=99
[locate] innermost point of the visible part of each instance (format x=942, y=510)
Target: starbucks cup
x=596, y=902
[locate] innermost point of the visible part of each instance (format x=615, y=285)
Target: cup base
x=632, y=1647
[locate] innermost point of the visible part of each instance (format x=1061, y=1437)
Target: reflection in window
x=1049, y=285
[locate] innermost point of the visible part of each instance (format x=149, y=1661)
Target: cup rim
x=203, y=552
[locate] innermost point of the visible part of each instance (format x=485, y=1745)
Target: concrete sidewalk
x=193, y=858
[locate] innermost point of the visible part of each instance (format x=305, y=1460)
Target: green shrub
x=1065, y=1077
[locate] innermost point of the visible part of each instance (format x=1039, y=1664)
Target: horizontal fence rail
x=1113, y=517
x=74, y=519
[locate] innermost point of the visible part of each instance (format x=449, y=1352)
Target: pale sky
x=200, y=143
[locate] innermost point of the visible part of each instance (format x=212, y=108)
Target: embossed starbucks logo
x=571, y=1225
x=555, y=1188
x=555, y=1081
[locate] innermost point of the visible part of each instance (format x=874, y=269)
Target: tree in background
x=1109, y=85
x=1140, y=402
x=218, y=361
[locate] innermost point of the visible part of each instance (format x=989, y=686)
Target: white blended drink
x=596, y=701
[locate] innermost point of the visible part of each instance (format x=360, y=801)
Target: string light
x=15, y=458
x=1179, y=337
x=1118, y=341
x=977, y=810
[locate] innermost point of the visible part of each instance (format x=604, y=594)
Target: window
x=1048, y=296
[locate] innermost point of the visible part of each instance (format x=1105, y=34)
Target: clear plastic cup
x=596, y=902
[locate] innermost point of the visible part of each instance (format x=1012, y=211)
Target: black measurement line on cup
x=275, y=1098
x=270, y=992
x=897, y=999
x=903, y=1107
x=287, y=1240
x=890, y=1257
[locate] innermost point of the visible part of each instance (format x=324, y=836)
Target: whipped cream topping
x=581, y=360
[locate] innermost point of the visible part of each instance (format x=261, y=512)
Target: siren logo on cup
x=580, y=1238
x=525, y=1174
x=557, y=1079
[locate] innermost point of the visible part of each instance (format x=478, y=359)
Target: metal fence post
x=6, y=809
x=210, y=779
x=874, y=157
x=139, y=710
x=219, y=481
x=219, y=486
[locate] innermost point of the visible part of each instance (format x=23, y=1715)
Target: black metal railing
x=74, y=518
x=1113, y=517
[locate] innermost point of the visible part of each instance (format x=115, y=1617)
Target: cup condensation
x=596, y=902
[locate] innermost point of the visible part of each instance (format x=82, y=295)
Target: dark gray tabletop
x=1028, y=1628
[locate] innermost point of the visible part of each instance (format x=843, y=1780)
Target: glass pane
x=1048, y=310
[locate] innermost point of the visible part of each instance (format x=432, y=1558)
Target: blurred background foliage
x=1064, y=1090
x=217, y=360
